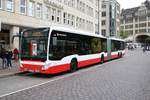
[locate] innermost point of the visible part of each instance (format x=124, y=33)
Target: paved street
x=127, y=78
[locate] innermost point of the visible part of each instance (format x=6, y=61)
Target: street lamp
x=98, y=18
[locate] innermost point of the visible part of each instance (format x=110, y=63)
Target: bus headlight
x=21, y=65
x=43, y=68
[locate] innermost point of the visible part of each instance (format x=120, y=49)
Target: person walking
x=9, y=55
x=16, y=52
x=3, y=57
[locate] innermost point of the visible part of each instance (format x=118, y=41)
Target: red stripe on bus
x=114, y=56
x=57, y=69
x=88, y=62
x=28, y=67
x=105, y=58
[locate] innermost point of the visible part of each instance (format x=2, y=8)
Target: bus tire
x=73, y=65
x=102, y=59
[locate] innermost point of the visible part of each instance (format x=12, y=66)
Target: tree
x=123, y=34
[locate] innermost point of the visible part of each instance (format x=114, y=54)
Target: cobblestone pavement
x=127, y=78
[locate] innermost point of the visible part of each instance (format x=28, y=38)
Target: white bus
x=58, y=49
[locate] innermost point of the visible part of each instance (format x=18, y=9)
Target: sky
x=130, y=3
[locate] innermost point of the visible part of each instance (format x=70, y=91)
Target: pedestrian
x=16, y=53
x=3, y=57
x=9, y=55
x=143, y=49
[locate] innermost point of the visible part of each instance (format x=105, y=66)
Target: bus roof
x=72, y=30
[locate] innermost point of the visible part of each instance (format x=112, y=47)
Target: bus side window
x=54, y=39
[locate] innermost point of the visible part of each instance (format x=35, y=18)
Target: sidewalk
x=8, y=72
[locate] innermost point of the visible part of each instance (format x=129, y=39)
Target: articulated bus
x=57, y=49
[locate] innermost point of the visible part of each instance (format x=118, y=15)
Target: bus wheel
x=73, y=65
x=102, y=59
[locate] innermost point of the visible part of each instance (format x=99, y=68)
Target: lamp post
x=98, y=18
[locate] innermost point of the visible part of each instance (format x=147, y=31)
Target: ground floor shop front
x=9, y=36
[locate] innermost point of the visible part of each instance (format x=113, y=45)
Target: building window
x=78, y=5
x=66, y=2
x=136, y=31
x=72, y=20
x=128, y=26
x=103, y=5
x=142, y=31
x=122, y=27
x=121, y=21
x=103, y=22
x=142, y=25
x=136, y=19
x=46, y=13
x=83, y=24
x=136, y=25
x=103, y=32
x=142, y=12
x=58, y=16
x=80, y=22
x=10, y=5
x=129, y=20
x=39, y=11
x=1, y=1
x=31, y=8
x=77, y=22
x=149, y=24
x=89, y=25
x=53, y=15
x=89, y=11
x=22, y=6
x=69, y=18
x=97, y=1
x=65, y=18
x=96, y=29
x=148, y=30
x=96, y=14
x=103, y=14
x=142, y=18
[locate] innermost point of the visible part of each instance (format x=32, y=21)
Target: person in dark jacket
x=3, y=57
x=16, y=52
x=9, y=55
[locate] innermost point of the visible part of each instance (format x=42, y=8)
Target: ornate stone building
x=136, y=22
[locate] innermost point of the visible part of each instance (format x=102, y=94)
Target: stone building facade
x=110, y=21
x=17, y=15
x=136, y=22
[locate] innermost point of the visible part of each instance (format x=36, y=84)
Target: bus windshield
x=34, y=44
